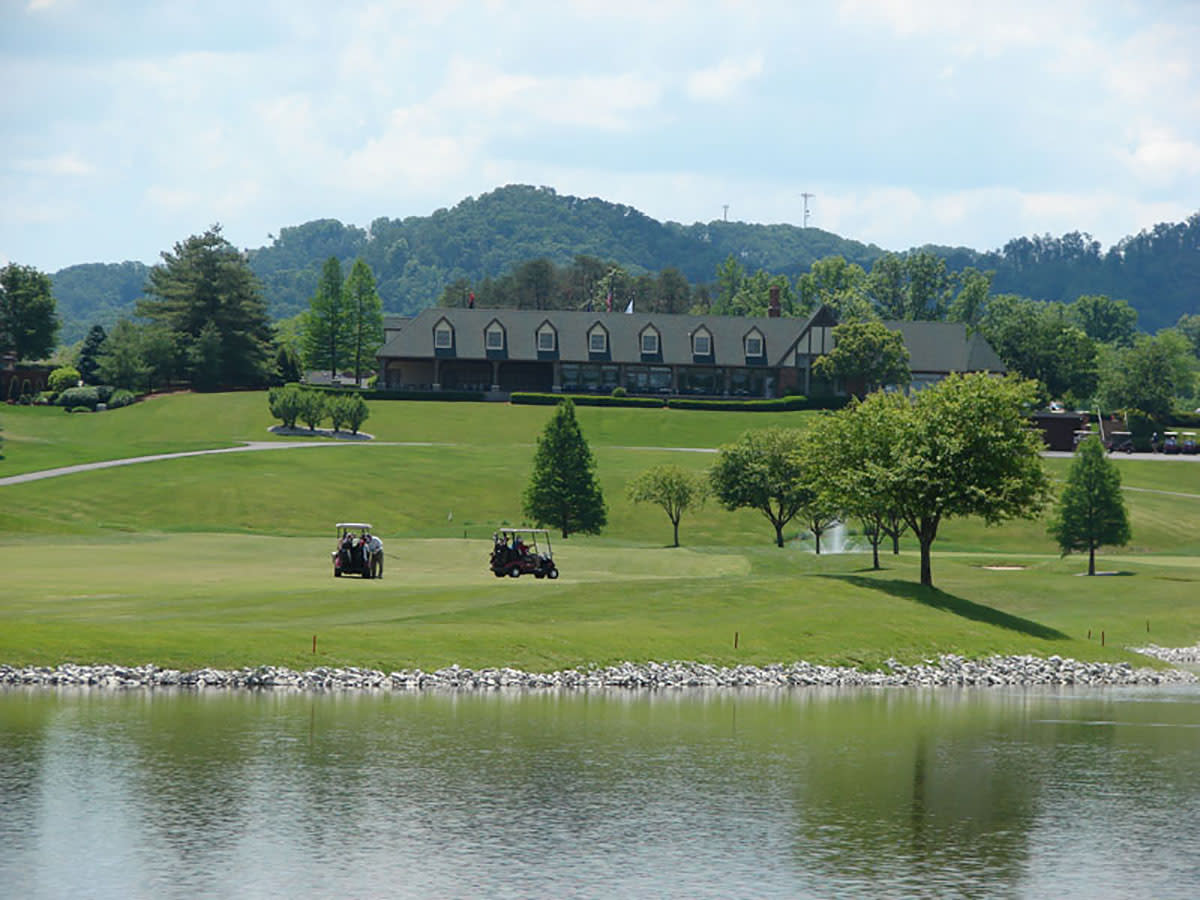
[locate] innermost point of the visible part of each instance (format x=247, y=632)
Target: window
x=494, y=339
x=443, y=337
x=545, y=340
x=650, y=342
x=597, y=341
x=754, y=345
x=702, y=345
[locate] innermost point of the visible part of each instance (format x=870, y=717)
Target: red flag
x=610, y=301
x=471, y=301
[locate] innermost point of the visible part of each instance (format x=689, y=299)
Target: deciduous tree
x=673, y=488
x=1091, y=511
x=563, y=491
x=865, y=355
x=28, y=322
x=965, y=448
x=763, y=470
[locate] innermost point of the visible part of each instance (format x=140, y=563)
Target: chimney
x=773, y=308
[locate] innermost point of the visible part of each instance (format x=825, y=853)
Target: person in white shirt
x=374, y=548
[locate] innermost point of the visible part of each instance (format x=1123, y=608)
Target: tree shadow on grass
x=937, y=599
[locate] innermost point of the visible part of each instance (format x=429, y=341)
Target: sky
x=127, y=126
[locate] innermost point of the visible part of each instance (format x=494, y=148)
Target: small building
x=499, y=351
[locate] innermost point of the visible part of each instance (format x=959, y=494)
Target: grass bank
x=224, y=560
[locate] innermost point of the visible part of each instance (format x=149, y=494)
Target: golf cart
x=1120, y=441
x=351, y=556
x=1188, y=444
x=1170, y=443
x=522, y=551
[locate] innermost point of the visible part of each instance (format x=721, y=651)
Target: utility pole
x=806, y=195
x=725, y=212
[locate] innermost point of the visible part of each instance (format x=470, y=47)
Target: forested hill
x=415, y=258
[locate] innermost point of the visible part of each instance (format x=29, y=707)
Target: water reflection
x=601, y=794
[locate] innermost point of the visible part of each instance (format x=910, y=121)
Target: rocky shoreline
x=946, y=671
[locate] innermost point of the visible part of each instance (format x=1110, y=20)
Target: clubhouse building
x=499, y=351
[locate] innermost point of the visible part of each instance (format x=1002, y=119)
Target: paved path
x=245, y=447
x=292, y=445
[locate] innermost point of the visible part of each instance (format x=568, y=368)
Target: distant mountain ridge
x=415, y=258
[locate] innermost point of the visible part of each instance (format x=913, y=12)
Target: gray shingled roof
x=933, y=346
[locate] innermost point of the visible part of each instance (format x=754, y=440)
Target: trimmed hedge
x=780, y=405
x=87, y=396
x=444, y=396
x=529, y=398
x=121, y=397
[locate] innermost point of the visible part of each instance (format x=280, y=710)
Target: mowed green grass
x=224, y=560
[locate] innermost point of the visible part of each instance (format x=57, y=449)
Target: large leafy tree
x=865, y=356
x=764, y=470
x=28, y=322
x=563, y=491
x=1149, y=375
x=204, y=291
x=673, y=488
x=366, y=314
x=961, y=448
x=1091, y=512
x=122, y=364
x=1039, y=341
x=854, y=454
x=329, y=324
x=1104, y=320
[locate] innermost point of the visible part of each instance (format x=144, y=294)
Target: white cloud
x=1160, y=157
x=62, y=164
x=725, y=79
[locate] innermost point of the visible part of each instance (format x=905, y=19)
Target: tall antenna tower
x=806, y=196
x=725, y=212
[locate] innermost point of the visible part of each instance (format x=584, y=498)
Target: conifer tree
x=366, y=315
x=563, y=491
x=328, y=324
x=1091, y=511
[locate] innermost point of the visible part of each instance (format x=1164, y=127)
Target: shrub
x=312, y=408
x=783, y=403
x=357, y=412
x=86, y=397
x=62, y=378
x=619, y=391
x=538, y=399
x=286, y=404
x=337, y=405
x=103, y=392
x=121, y=397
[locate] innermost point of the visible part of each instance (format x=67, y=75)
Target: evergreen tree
x=205, y=287
x=327, y=324
x=366, y=313
x=1091, y=511
x=90, y=352
x=563, y=491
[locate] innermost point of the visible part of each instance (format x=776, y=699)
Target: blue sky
x=129, y=125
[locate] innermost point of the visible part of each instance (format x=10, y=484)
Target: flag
x=589, y=306
x=629, y=308
x=471, y=301
x=610, y=301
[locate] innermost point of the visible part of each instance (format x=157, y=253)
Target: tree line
x=894, y=463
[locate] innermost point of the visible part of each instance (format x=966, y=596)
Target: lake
x=688, y=793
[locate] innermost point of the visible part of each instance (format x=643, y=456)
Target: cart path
x=246, y=446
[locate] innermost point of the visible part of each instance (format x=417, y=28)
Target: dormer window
x=493, y=338
x=547, y=340
x=702, y=344
x=649, y=342
x=597, y=340
x=754, y=345
x=443, y=336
